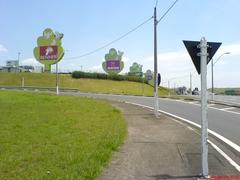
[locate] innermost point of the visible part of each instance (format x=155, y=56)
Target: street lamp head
x=220, y=57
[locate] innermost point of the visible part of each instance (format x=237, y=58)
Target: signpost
x=201, y=53
x=149, y=75
x=113, y=63
x=49, y=51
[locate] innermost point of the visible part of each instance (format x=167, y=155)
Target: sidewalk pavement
x=160, y=148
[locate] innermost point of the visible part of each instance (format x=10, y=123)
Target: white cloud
x=2, y=48
x=234, y=49
x=97, y=68
x=125, y=59
x=169, y=56
x=31, y=62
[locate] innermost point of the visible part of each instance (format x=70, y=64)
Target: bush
x=115, y=77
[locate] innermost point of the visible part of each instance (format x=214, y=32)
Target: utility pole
x=155, y=65
x=203, y=58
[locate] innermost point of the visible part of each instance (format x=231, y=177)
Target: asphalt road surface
x=224, y=120
x=234, y=100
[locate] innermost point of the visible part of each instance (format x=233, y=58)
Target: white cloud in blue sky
x=2, y=49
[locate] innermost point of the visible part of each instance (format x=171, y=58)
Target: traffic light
x=159, y=79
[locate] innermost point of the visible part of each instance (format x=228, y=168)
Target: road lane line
x=193, y=102
x=229, y=108
x=227, y=141
x=233, y=163
x=225, y=110
x=209, y=106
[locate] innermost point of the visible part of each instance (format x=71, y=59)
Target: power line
x=111, y=42
x=161, y=18
x=124, y=35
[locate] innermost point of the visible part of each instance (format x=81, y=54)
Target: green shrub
x=115, y=77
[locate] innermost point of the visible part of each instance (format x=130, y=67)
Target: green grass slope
x=46, y=136
x=85, y=85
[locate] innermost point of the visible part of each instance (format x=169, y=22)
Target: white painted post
x=57, y=88
x=22, y=81
x=156, y=107
x=203, y=58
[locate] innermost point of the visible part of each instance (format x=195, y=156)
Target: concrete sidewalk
x=160, y=149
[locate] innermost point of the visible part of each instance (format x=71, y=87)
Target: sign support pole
x=155, y=65
x=203, y=58
x=57, y=89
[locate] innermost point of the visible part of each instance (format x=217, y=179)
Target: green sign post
x=113, y=63
x=49, y=49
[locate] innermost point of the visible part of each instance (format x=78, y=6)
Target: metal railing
x=39, y=88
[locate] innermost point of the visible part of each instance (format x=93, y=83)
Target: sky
x=88, y=25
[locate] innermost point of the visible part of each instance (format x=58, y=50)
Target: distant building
x=13, y=66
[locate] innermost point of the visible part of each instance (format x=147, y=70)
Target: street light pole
x=212, y=71
x=18, y=61
x=191, y=83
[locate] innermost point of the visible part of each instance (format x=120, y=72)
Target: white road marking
x=193, y=102
x=233, y=163
x=238, y=113
x=227, y=141
x=209, y=106
x=229, y=108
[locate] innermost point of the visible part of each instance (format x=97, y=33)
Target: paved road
x=233, y=100
x=223, y=120
x=227, y=99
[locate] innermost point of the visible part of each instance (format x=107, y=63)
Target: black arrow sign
x=193, y=50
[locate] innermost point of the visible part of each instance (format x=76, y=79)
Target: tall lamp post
x=212, y=71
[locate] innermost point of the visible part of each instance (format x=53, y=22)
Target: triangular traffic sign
x=193, y=50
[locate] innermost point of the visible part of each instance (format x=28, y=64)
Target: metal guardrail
x=39, y=88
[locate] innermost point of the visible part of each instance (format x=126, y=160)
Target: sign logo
x=113, y=65
x=48, y=52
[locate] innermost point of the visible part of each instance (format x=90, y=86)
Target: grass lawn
x=85, y=85
x=43, y=136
